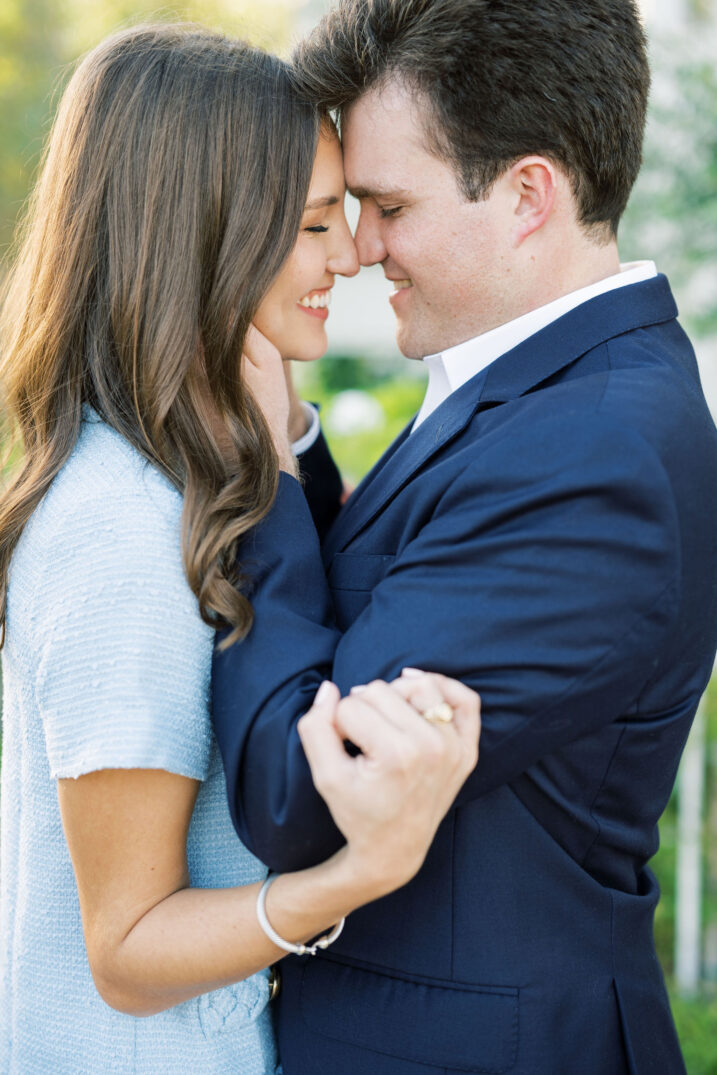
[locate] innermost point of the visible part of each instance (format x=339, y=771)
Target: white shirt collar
x=450, y=369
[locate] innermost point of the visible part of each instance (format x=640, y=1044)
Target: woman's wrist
x=301, y=905
x=300, y=948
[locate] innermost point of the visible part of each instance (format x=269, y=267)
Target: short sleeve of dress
x=123, y=655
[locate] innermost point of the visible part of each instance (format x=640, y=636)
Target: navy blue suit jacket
x=548, y=535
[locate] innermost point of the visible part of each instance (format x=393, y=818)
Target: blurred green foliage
x=30, y=59
x=695, y=1017
x=40, y=41
x=398, y=397
x=672, y=215
x=696, y=1021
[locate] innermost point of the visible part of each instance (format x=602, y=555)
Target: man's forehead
x=383, y=142
x=388, y=108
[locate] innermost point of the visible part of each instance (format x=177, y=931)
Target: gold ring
x=439, y=714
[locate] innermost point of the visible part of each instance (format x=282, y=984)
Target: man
x=544, y=530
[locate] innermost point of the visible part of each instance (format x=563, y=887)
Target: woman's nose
x=344, y=258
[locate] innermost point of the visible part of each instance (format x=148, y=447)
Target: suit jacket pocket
x=352, y=577
x=467, y=1028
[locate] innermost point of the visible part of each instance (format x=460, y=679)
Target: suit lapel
x=566, y=340
x=403, y=459
x=333, y=538
x=538, y=358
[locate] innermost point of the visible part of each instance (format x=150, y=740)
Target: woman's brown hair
x=171, y=193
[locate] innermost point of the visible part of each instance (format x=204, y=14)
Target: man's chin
x=409, y=346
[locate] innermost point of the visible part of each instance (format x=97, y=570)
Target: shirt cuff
x=310, y=437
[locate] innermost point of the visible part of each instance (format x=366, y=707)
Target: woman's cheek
x=269, y=318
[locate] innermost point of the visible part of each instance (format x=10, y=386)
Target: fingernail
x=323, y=692
x=357, y=689
x=411, y=673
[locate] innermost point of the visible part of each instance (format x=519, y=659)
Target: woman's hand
x=389, y=800
x=298, y=424
x=264, y=375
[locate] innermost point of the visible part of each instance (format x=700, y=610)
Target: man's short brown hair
x=567, y=79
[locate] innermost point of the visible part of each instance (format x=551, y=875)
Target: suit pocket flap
x=461, y=1027
x=358, y=571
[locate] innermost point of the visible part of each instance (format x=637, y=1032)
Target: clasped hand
x=389, y=800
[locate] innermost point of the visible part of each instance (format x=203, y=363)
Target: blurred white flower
x=354, y=411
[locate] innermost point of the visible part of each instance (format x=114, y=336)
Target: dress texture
x=106, y=665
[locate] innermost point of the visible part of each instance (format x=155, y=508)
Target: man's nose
x=369, y=244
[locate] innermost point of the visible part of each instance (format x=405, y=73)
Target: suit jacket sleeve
x=547, y=578
x=322, y=484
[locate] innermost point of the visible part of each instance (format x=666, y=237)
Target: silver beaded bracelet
x=288, y=946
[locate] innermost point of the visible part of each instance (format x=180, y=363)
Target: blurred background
x=368, y=391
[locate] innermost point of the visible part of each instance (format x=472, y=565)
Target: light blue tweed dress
x=106, y=665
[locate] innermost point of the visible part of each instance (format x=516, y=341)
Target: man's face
x=449, y=258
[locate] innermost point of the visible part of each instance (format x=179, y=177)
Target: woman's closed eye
x=318, y=229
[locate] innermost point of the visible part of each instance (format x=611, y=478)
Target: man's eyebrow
x=377, y=192
x=322, y=203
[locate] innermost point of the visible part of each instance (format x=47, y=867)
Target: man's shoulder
x=643, y=382
x=624, y=410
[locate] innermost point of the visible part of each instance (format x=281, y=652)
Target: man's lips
x=402, y=287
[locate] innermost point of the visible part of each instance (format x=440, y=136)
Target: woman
x=165, y=222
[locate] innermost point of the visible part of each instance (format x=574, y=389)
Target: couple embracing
x=201, y=642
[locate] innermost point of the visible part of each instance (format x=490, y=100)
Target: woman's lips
x=316, y=303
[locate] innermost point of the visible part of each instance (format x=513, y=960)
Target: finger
x=466, y=709
x=464, y=701
x=322, y=742
x=367, y=727
x=452, y=691
x=422, y=693
x=396, y=707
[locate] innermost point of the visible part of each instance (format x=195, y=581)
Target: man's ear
x=534, y=183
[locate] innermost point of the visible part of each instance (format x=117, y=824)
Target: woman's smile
x=317, y=303
x=324, y=248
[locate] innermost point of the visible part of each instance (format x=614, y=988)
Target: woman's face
x=294, y=310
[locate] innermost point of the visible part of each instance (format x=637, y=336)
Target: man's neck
x=545, y=279
x=565, y=274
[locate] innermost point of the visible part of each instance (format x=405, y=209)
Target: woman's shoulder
x=100, y=599
x=106, y=476
x=109, y=522
x=108, y=495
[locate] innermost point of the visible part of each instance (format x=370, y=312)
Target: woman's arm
x=153, y=942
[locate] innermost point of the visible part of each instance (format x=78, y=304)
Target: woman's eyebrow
x=322, y=203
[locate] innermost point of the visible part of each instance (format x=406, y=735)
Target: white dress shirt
x=451, y=368
x=313, y=428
